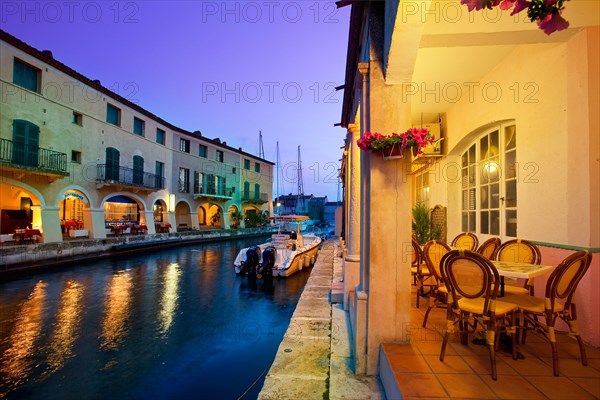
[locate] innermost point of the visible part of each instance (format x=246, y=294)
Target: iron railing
x=213, y=190
x=252, y=196
x=23, y=155
x=129, y=176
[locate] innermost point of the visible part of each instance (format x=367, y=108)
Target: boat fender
x=307, y=260
x=312, y=260
x=300, y=262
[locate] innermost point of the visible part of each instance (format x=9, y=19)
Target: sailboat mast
x=261, y=148
x=299, y=205
x=278, y=204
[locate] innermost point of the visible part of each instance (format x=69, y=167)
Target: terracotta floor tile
x=469, y=350
x=594, y=363
x=530, y=366
x=558, y=387
x=433, y=348
x=466, y=386
x=513, y=387
x=420, y=385
x=450, y=365
x=572, y=368
x=395, y=349
x=401, y=363
x=592, y=385
x=482, y=365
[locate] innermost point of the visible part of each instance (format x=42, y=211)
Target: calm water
x=174, y=324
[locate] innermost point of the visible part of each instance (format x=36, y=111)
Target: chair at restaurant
x=473, y=284
x=489, y=248
x=432, y=254
x=418, y=269
x=465, y=241
x=518, y=250
x=559, y=302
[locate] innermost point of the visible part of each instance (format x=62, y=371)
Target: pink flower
x=552, y=23
x=520, y=5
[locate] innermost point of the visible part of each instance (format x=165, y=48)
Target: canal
x=171, y=324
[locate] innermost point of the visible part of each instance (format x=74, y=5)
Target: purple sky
x=227, y=68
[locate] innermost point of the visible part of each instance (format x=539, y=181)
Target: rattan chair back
x=519, y=250
x=465, y=241
x=563, y=281
x=489, y=248
x=432, y=254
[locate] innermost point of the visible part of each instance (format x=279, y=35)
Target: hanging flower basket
x=392, y=147
x=392, y=153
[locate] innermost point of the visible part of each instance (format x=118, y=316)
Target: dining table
x=519, y=270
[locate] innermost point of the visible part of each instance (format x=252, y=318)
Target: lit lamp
x=171, y=203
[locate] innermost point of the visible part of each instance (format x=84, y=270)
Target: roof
x=46, y=57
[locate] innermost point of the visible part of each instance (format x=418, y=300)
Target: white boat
x=293, y=251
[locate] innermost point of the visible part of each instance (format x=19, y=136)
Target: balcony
x=122, y=177
x=213, y=192
x=21, y=160
x=249, y=196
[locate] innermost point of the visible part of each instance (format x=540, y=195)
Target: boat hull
x=288, y=261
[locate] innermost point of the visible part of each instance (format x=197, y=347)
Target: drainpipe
x=365, y=183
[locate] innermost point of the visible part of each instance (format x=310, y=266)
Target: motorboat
x=288, y=251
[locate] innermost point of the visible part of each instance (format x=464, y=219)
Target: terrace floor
x=414, y=371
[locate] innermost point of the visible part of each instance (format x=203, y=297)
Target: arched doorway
x=235, y=217
x=183, y=216
x=123, y=214
x=213, y=215
x=201, y=216
x=16, y=209
x=71, y=213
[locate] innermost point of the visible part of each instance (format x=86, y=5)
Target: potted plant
x=423, y=230
x=392, y=146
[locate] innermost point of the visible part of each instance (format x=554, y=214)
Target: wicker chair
x=432, y=254
x=519, y=250
x=489, y=248
x=561, y=285
x=419, y=270
x=473, y=284
x=465, y=241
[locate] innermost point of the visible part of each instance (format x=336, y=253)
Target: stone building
x=75, y=156
x=518, y=113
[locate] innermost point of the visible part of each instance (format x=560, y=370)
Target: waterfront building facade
x=518, y=113
x=78, y=159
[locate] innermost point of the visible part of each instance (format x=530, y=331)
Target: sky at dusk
x=226, y=68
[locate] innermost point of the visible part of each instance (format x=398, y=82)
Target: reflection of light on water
x=15, y=363
x=118, y=300
x=170, y=297
x=65, y=327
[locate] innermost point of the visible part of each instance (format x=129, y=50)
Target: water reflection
x=17, y=360
x=65, y=328
x=170, y=324
x=117, y=307
x=170, y=297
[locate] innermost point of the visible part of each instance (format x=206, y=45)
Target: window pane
x=472, y=222
x=465, y=160
x=494, y=222
x=472, y=204
x=510, y=137
x=160, y=136
x=483, y=197
x=493, y=169
x=495, y=195
x=484, y=222
x=465, y=200
x=25, y=76
x=494, y=144
x=511, y=193
x=511, y=223
x=202, y=151
x=465, y=222
x=510, y=166
x=483, y=148
x=138, y=126
x=112, y=114
x=472, y=155
x=484, y=173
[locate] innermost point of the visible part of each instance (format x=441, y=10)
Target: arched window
x=26, y=138
x=112, y=164
x=138, y=170
x=489, y=183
